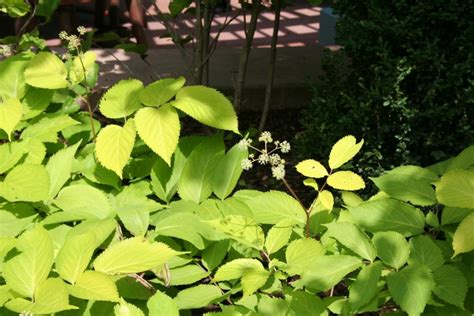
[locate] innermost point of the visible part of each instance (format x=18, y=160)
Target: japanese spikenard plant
x=95, y=220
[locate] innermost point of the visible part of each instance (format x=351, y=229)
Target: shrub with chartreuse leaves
x=113, y=213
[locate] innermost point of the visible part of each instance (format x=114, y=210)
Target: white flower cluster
x=5, y=50
x=266, y=156
x=73, y=41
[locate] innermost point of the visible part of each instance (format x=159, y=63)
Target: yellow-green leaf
x=121, y=100
x=311, y=168
x=114, y=145
x=463, y=240
x=327, y=199
x=46, y=71
x=346, y=180
x=343, y=151
x=161, y=91
x=81, y=66
x=97, y=286
x=10, y=115
x=159, y=129
x=456, y=189
x=26, y=182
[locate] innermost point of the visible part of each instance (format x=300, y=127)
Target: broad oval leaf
x=121, y=100
x=463, y=240
x=410, y=184
x=46, y=71
x=346, y=180
x=450, y=285
x=327, y=199
x=311, y=168
x=352, y=237
x=127, y=309
x=456, y=188
x=96, y=286
x=279, y=235
x=424, y=251
x=161, y=304
x=133, y=255
x=392, y=248
x=114, y=146
x=161, y=91
x=301, y=253
x=197, y=296
x=59, y=168
x=411, y=288
x=388, y=215
x=343, y=151
x=85, y=201
x=274, y=206
x=208, y=106
x=159, y=129
x=10, y=115
x=26, y=182
x=364, y=288
x=228, y=172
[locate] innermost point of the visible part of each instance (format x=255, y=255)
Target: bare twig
x=144, y=282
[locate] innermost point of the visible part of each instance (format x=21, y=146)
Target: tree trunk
x=244, y=54
x=271, y=72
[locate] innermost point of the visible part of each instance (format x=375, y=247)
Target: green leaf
x=161, y=91
x=463, y=240
x=343, y=151
x=121, y=100
x=456, y=188
x=161, y=304
x=35, y=102
x=388, y=215
x=133, y=255
x=51, y=297
x=100, y=228
x=159, y=129
x=11, y=226
x=12, y=77
x=187, y=275
x=24, y=272
x=364, y=289
x=453, y=215
x=46, y=130
x=59, y=168
x=411, y=288
x=326, y=271
x=410, y=184
x=93, y=285
x=85, y=201
x=197, y=296
x=327, y=199
x=304, y=303
x=75, y=255
x=450, y=285
x=10, y=115
x=213, y=255
x=240, y=228
x=301, y=253
x=11, y=154
x=127, y=309
x=346, y=180
x=352, y=237
x=311, y=168
x=114, y=146
x=46, y=71
x=208, y=106
x=274, y=206
x=29, y=183
x=195, y=183
x=82, y=65
x=424, y=251
x=279, y=235
x=392, y=248
x=228, y=172
x=251, y=272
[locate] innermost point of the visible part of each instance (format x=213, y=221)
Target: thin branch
x=144, y=282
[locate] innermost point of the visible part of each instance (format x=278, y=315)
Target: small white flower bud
x=265, y=137
x=246, y=164
x=285, y=147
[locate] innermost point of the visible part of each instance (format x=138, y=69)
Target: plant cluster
x=402, y=79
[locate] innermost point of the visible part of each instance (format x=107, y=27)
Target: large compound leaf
x=97, y=286
x=59, y=168
x=456, y=188
x=411, y=288
x=161, y=91
x=121, y=100
x=410, y=184
x=274, y=206
x=46, y=71
x=133, y=255
x=10, y=115
x=197, y=296
x=27, y=182
x=343, y=151
x=392, y=248
x=84, y=201
x=228, y=172
x=463, y=240
x=352, y=237
x=208, y=106
x=24, y=272
x=159, y=129
x=114, y=146
x=326, y=271
x=389, y=215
